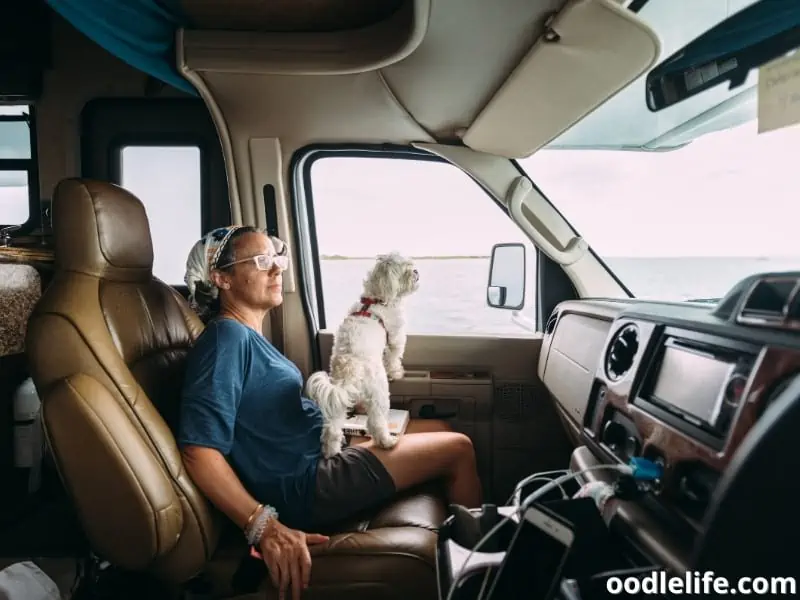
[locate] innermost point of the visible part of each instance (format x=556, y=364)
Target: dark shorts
x=350, y=482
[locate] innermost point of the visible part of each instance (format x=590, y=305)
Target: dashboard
x=679, y=383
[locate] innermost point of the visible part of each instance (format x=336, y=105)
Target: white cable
x=537, y=477
x=524, y=506
x=533, y=498
x=542, y=476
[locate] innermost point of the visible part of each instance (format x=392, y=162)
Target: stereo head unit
x=697, y=386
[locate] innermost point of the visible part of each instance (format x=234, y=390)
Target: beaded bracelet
x=256, y=529
x=252, y=516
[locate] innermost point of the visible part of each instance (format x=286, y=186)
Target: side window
x=167, y=179
x=431, y=211
x=17, y=165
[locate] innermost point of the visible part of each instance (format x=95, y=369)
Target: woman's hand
x=286, y=554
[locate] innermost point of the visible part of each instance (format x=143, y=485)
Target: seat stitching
x=122, y=455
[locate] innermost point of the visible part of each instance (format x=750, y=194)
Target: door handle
x=429, y=411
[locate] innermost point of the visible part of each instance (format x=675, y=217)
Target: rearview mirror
x=744, y=41
x=506, y=287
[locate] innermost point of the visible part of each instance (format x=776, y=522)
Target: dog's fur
x=367, y=353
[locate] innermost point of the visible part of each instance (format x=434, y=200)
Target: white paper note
x=779, y=93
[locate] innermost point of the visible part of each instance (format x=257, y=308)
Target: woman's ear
x=220, y=280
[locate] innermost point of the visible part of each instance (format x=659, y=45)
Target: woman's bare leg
x=429, y=450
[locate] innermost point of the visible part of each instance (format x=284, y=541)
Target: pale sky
x=729, y=193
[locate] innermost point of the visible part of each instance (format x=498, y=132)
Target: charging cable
x=547, y=476
x=532, y=498
x=637, y=468
x=542, y=476
x=551, y=485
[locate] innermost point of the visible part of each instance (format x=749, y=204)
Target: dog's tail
x=332, y=399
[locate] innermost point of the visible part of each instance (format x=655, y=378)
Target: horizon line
x=607, y=257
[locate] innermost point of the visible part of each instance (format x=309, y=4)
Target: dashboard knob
x=614, y=435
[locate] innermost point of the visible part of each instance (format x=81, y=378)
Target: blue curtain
x=140, y=32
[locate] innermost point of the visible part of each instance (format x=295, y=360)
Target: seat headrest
x=101, y=229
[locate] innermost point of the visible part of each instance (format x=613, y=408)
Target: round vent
x=622, y=351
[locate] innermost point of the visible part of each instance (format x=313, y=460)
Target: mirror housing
x=506, y=287
x=744, y=41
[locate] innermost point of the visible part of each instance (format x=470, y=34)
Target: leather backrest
x=107, y=345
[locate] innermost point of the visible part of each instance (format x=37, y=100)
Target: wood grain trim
x=772, y=366
x=18, y=254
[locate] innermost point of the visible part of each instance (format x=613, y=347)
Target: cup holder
x=457, y=564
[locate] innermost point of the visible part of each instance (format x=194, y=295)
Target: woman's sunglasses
x=264, y=262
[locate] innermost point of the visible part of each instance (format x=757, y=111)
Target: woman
x=251, y=441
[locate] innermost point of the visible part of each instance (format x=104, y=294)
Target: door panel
x=488, y=389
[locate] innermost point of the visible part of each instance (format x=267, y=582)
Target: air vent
x=621, y=352
x=551, y=324
x=770, y=301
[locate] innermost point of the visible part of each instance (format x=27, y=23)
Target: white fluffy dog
x=367, y=353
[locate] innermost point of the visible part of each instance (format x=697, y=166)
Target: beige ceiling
x=465, y=59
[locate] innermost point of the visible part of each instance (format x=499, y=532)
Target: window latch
x=5, y=235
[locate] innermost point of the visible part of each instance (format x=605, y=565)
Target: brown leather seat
x=106, y=346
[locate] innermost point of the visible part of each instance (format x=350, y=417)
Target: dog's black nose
x=416, y=275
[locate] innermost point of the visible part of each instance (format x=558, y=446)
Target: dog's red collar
x=366, y=312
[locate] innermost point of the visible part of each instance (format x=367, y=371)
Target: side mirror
x=506, y=287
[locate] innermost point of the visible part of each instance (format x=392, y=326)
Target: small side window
x=429, y=211
x=17, y=166
x=167, y=179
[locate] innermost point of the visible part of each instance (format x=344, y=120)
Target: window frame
x=304, y=222
x=539, y=190
x=120, y=142
x=108, y=124
x=31, y=166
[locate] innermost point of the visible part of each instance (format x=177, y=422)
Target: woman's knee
x=462, y=446
x=423, y=456
x=456, y=447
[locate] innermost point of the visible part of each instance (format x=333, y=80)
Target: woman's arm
x=209, y=405
x=218, y=482
x=285, y=550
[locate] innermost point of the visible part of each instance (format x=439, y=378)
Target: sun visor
x=298, y=53
x=589, y=51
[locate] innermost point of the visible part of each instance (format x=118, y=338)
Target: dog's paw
x=386, y=442
x=331, y=448
x=395, y=373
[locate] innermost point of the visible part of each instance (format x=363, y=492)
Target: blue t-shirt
x=244, y=398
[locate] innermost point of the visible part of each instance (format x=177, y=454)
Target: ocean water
x=452, y=294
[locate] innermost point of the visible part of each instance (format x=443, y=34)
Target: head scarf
x=203, y=259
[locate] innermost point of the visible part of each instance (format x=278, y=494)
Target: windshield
x=688, y=221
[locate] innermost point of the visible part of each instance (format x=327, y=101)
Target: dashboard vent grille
x=621, y=352
x=551, y=324
x=771, y=302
